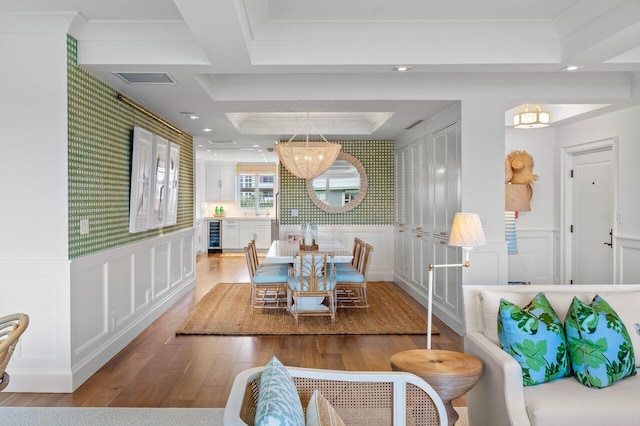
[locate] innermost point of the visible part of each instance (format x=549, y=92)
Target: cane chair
x=351, y=287
x=11, y=328
x=312, y=281
x=268, y=286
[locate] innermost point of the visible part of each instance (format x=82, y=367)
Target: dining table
x=284, y=251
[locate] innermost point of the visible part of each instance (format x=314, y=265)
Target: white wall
x=625, y=126
x=33, y=118
x=82, y=312
x=34, y=270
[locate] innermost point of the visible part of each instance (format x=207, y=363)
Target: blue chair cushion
x=274, y=276
x=534, y=337
x=345, y=267
x=349, y=277
x=600, y=347
x=294, y=283
x=278, y=399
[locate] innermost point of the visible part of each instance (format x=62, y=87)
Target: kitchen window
x=256, y=190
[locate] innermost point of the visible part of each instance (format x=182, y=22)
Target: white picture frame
x=173, y=173
x=140, y=186
x=158, y=194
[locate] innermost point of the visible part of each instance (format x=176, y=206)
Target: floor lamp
x=466, y=232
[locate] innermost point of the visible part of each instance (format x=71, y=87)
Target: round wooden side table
x=450, y=373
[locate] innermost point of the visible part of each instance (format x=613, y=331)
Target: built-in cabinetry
x=236, y=233
x=427, y=197
x=220, y=183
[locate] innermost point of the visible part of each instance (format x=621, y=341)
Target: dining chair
x=358, y=246
x=11, y=328
x=268, y=286
x=311, y=286
x=265, y=266
x=351, y=286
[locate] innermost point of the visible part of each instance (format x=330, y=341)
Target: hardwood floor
x=160, y=369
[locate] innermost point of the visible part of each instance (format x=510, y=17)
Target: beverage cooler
x=215, y=236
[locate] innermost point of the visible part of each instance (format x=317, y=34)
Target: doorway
x=588, y=205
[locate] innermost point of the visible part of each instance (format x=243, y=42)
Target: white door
x=592, y=207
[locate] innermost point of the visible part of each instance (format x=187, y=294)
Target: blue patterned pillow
x=534, y=336
x=600, y=348
x=278, y=400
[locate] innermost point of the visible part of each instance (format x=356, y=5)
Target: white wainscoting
x=628, y=255
x=83, y=312
x=541, y=244
x=379, y=236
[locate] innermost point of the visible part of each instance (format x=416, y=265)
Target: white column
x=482, y=191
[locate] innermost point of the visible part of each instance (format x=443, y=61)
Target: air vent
x=145, y=77
x=223, y=142
x=415, y=123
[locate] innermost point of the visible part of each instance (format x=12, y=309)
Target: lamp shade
x=307, y=159
x=466, y=231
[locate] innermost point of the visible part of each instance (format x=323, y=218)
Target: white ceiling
x=240, y=64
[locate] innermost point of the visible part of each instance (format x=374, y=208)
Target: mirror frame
x=353, y=203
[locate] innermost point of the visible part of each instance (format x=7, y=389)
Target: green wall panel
x=100, y=134
x=377, y=208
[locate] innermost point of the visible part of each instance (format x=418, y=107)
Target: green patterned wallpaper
x=99, y=159
x=377, y=208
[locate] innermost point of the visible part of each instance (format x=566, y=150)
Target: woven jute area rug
x=225, y=310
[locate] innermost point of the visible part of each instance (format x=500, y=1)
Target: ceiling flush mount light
x=531, y=117
x=307, y=159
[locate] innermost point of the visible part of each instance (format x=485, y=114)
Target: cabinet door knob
x=418, y=236
x=443, y=233
x=442, y=242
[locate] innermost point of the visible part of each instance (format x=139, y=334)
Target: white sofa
x=367, y=398
x=499, y=398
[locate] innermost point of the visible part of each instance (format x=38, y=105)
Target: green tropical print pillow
x=600, y=348
x=534, y=336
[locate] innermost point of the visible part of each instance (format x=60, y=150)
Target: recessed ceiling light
x=200, y=145
x=572, y=67
x=206, y=129
x=256, y=146
x=193, y=117
x=402, y=68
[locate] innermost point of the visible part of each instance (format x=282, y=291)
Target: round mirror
x=341, y=187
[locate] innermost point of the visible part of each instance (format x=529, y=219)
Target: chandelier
x=307, y=159
x=531, y=117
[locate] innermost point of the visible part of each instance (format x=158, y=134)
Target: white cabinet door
x=416, y=181
x=228, y=187
x=400, y=185
x=446, y=178
x=247, y=233
x=230, y=235
x=257, y=230
x=220, y=183
x=263, y=236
